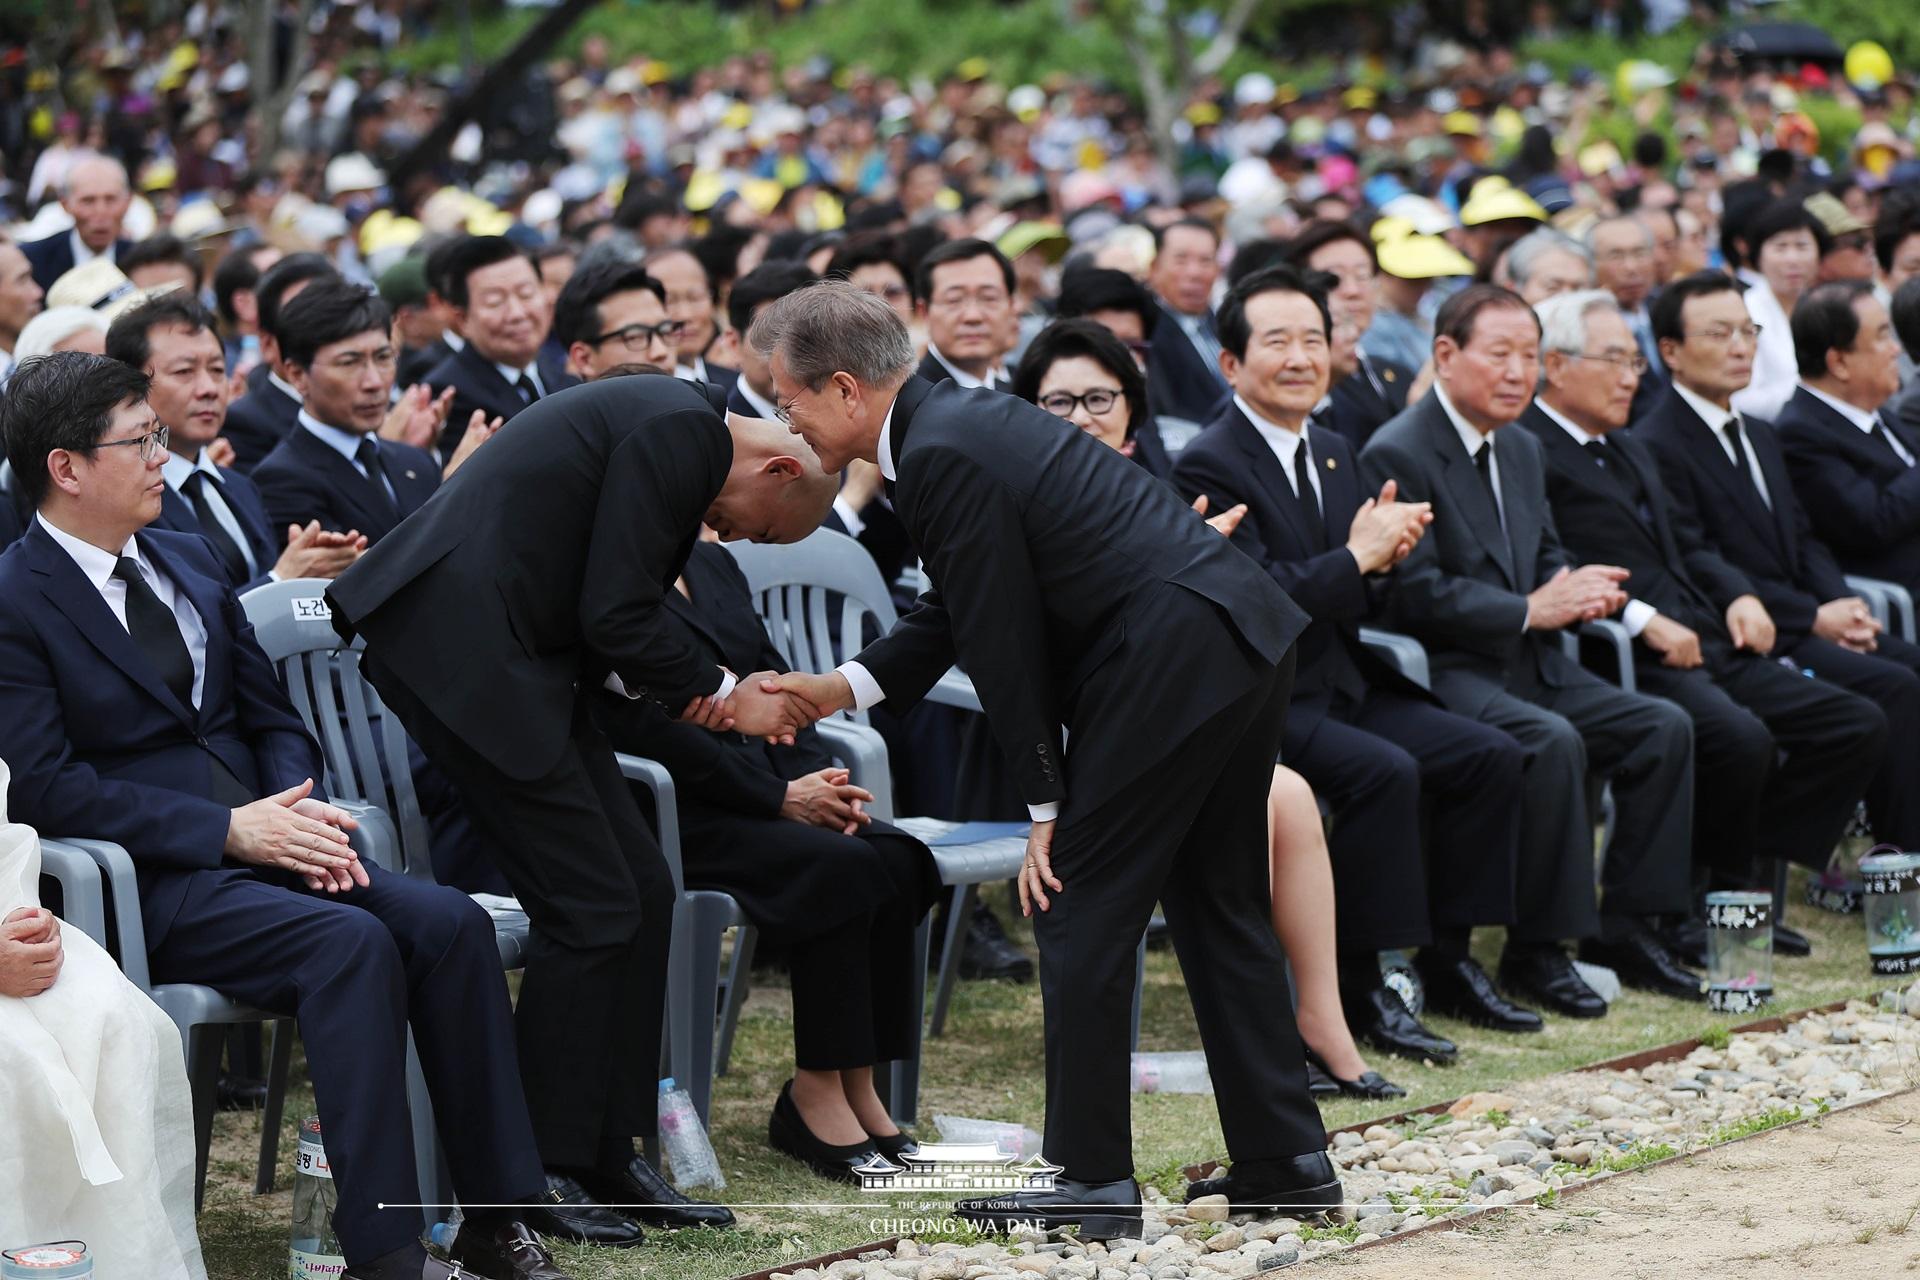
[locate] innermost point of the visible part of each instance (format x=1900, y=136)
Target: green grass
x=989, y=1064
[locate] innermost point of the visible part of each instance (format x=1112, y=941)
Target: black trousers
x=358, y=969
x=1375, y=762
x=845, y=907
x=1889, y=677
x=581, y=860
x=1191, y=833
x=1645, y=747
x=1748, y=803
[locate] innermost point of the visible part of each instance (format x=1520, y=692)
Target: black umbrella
x=1794, y=41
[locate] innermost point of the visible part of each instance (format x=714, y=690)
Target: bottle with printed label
x=683, y=1141
x=1171, y=1073
x=316, y=1250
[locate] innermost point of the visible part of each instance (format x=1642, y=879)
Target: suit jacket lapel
x=494, y=392
x=1272, y=477
x=1699, y=440
x=905, y=405
x=347, y=481
x=1466, y=491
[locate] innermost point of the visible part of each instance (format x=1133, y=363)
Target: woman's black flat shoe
x=894, y=1146
x=1319, y=1083
x=788, y=1134
x=1371, y=1084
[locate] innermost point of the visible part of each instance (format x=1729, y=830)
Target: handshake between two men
x=770, y=705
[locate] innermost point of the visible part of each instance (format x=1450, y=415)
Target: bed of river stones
x=1488, y=1150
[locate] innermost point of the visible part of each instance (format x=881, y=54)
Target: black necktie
x=1598, y=450
x=524, y=385
x=1309, y=501
x=231, y=555
x=1885, y=437
x=1483, y=463
x=1741, y=462
x=156, y=632
x=368, y=455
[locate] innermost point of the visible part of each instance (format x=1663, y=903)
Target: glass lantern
x=1739, y=951
x=1891, y=893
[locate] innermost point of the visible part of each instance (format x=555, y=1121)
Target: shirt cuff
x=1636, y=616
x=273, y=575
x=866, y=690
x=728, y=682
x=1049, y=812
x=848, y=517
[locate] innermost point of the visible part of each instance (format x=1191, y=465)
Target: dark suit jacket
x=717, y=375
x=1863, y=502
x=1061, y=570
x=933, y=371
x=305, y=478
x=1463, y=591
x=478, y=385
x=1231, y=463
x=99, y=746
x=1671, y=566
x=259, y=420
x=546, y=562
x=1180, y=383
x=1360, y=404
x=1791, y=570
x=52, y=257
x=416, y=363
x=249, y=512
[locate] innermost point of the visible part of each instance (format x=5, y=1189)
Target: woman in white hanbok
x=96, y=1125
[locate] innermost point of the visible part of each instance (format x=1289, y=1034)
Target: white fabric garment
x=1775, y=370
x=98, y=1139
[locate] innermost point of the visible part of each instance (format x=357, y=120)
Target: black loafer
x=643, y=1194
x=1546, y=974
x=1639, y=960
x=1461, y=989
x=788, y=1134
x=1370, y=1084
x=1379, y=1017
x=1305, y=1186
x=1790, y=942
x=508, y=1252
x=569, y=1213
x=435, y=1269
x=1101, y=1210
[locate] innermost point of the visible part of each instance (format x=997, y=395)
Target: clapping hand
x=479, y=431
x=417, y=416
x=1384, y=529
x=294, y=832
x=30, y=952
x=1576, y=595
x=313, y=552
x=1227, y=521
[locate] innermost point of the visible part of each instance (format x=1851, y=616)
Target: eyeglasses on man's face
x=152, y=444
x=1636, y=362
x=638, y=337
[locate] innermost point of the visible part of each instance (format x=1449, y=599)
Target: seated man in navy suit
x=502, y=310
x=172, y=340
x=264, y=415
x=141, y=710
x=337, y=342
x=95, y=192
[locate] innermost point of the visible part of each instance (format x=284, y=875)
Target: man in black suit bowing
x=171, y=339
x=545, y=561
x=1488, y=591
x=964, y=292
x=504, y=313
x=337, y=342
x=1371, y=743
x=1080, y=592
x=1702, y=637
x=1727, y=476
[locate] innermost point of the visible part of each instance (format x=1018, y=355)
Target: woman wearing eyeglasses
x=1077, y=370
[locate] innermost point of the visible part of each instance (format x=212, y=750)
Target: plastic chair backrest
x=798, y=587
x=363, y=744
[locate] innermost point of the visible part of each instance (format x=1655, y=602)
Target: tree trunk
x=271, y=92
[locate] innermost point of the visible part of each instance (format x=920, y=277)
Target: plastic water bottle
x=1012, y=1139
x=316, y=1251
x=1171, y=1073
x=683, y=1141
x=445, y=1233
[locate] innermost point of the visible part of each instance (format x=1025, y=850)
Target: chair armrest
x=376, y=839
x=82, y=904
x=1403, y=653
x=123, y=889
x=653, y=775
x=956, y=690
x=1608, y=633
x=864, y=752
x=1891, y=603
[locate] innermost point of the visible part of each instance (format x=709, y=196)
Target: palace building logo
x=958, y=1168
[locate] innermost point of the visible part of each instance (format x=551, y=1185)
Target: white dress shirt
x=1638, y=613
x=98, y=567
x=1775, y=370
x=531, y=373
x=83, y=255
x=1285, y=442
x=762, y=406
x=175, y=471
x=1471, y=439
x=996, y=374
x=697, y=371
x=284, y=387
x=1717, y=419
x=1865, y=419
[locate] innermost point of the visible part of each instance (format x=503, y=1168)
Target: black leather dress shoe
x=894, y=1146
x=435, y=1269
x=788, y=1134
x=1102, y=1210
x=1642, y=962
x=508, y=1252
x=1461, y=989
x=240, y=1093
x=1379, y=1017
x=1686, y=941
x=986, y=953
x=1546, y=974
x=645, y=1196
x=1790, y=942
x=1370, y=1084
x=1302, y=1187
x=1319, y=1083
x=569, y=1213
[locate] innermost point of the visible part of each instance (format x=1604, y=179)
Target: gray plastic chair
x=1891, y=603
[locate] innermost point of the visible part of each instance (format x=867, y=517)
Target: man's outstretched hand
x=822, y=695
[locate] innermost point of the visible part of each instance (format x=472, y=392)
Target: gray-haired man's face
x=831, y=420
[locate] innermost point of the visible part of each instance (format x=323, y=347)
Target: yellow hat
x=1598, y=157
x=1202, y=113
x=180, y=63
x=653, y=71
x=1461, y=124
x=973, y=69
x=1418, y=257
x=1023, y=237
x=761, y=194
x=1390, y=228
x=488, y=221
x=1499, y=205
x=1286, y=94
x=159, y=175
x=1358, y=98
x=737, y=116
x=385, y=229
x=704, y=190
x=1869, y=65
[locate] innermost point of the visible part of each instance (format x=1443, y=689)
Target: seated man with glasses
x=337, y=342
x=1703, y=638
x=611, y=314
